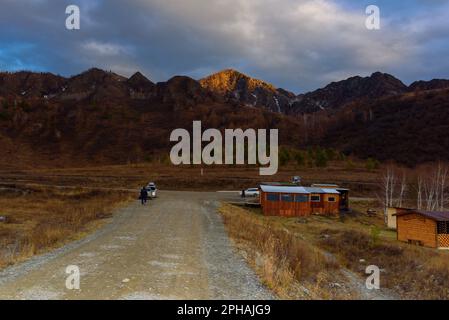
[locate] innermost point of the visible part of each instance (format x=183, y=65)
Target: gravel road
x=173, y=248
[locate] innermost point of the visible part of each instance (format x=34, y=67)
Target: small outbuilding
x=298, y=201
x=391, y=216
x=424, y=228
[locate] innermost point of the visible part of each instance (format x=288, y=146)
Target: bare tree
x=443, y=169
x=392, y=188
x=434, y=183
x=306, y=129
x=403, y=189
x=388, y=186
x=431, y=187
x=419, y=193
x=429, y=192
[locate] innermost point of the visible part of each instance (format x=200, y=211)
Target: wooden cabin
x=344, y=194
x=298, y=201
x=425, y=228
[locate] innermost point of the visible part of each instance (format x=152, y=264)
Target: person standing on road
x=143, y=195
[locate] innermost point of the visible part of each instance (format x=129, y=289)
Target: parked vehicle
x=296, y=180
x=152, y=190
x=250, y=192
x=152, y=184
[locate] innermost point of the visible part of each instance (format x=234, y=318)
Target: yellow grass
x=41, y=218
x=355, y=240
x=194, y=177
x=288, y=265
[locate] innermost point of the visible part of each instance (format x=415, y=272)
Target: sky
x=299, y=45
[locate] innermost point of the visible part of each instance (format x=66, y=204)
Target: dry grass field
x=36, y=219
x=294, y=249
x=286, y=264
x=43, y=208
x=361, y=181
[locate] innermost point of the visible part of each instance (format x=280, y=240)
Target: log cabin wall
x=296, y=204
x=331, y=203
x=417, y=228
x=317, y=203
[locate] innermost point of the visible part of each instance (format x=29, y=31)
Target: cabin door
x=344, y=200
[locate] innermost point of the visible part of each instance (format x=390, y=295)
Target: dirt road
x=174, y=248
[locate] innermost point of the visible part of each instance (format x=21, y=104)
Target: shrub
x=372, y=164
x=148, y=158
x=375, y=235
x=350, y=164
x=299, y=158
x=25, y=106
x=284, y=156
x=321, y=158
x=5, y=115
x=331, y=154
x=5, y=104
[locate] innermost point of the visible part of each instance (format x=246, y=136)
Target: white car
x=152, y=190
x=250, y=192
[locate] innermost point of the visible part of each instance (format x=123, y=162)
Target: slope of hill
x=238, y=87
x=410, y=128
x=337, y=94
x=429, y=85
x=102, y=117
x=140, y=86
x=29, y=84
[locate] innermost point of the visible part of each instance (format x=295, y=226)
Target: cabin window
x=273, y=197
x=301, y=198
x=315, y=198
x=443, y=227
x=287, y=198
x=331, y=199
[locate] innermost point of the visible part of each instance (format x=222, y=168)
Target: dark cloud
x=299, y=45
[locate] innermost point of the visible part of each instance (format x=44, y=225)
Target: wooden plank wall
x=331, y=207
x=296, y=209
x=416, y=227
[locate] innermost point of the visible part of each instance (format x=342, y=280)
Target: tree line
x=422, y=188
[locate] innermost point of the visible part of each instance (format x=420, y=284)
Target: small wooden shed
x=298, y=201
x=391, y=216
x=425, y=228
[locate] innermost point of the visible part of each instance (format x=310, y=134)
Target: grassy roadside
x=412, y=272
x=290, y=253
x=41, y=218
x=285, y=263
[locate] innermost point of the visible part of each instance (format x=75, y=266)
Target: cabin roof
x=324, y=185
x=321, y=190
x=328, y=190
x=279, y=184
x=303, y=190
x=283, y=189
x=434, y=215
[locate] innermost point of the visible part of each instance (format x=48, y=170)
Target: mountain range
x=101, y=117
